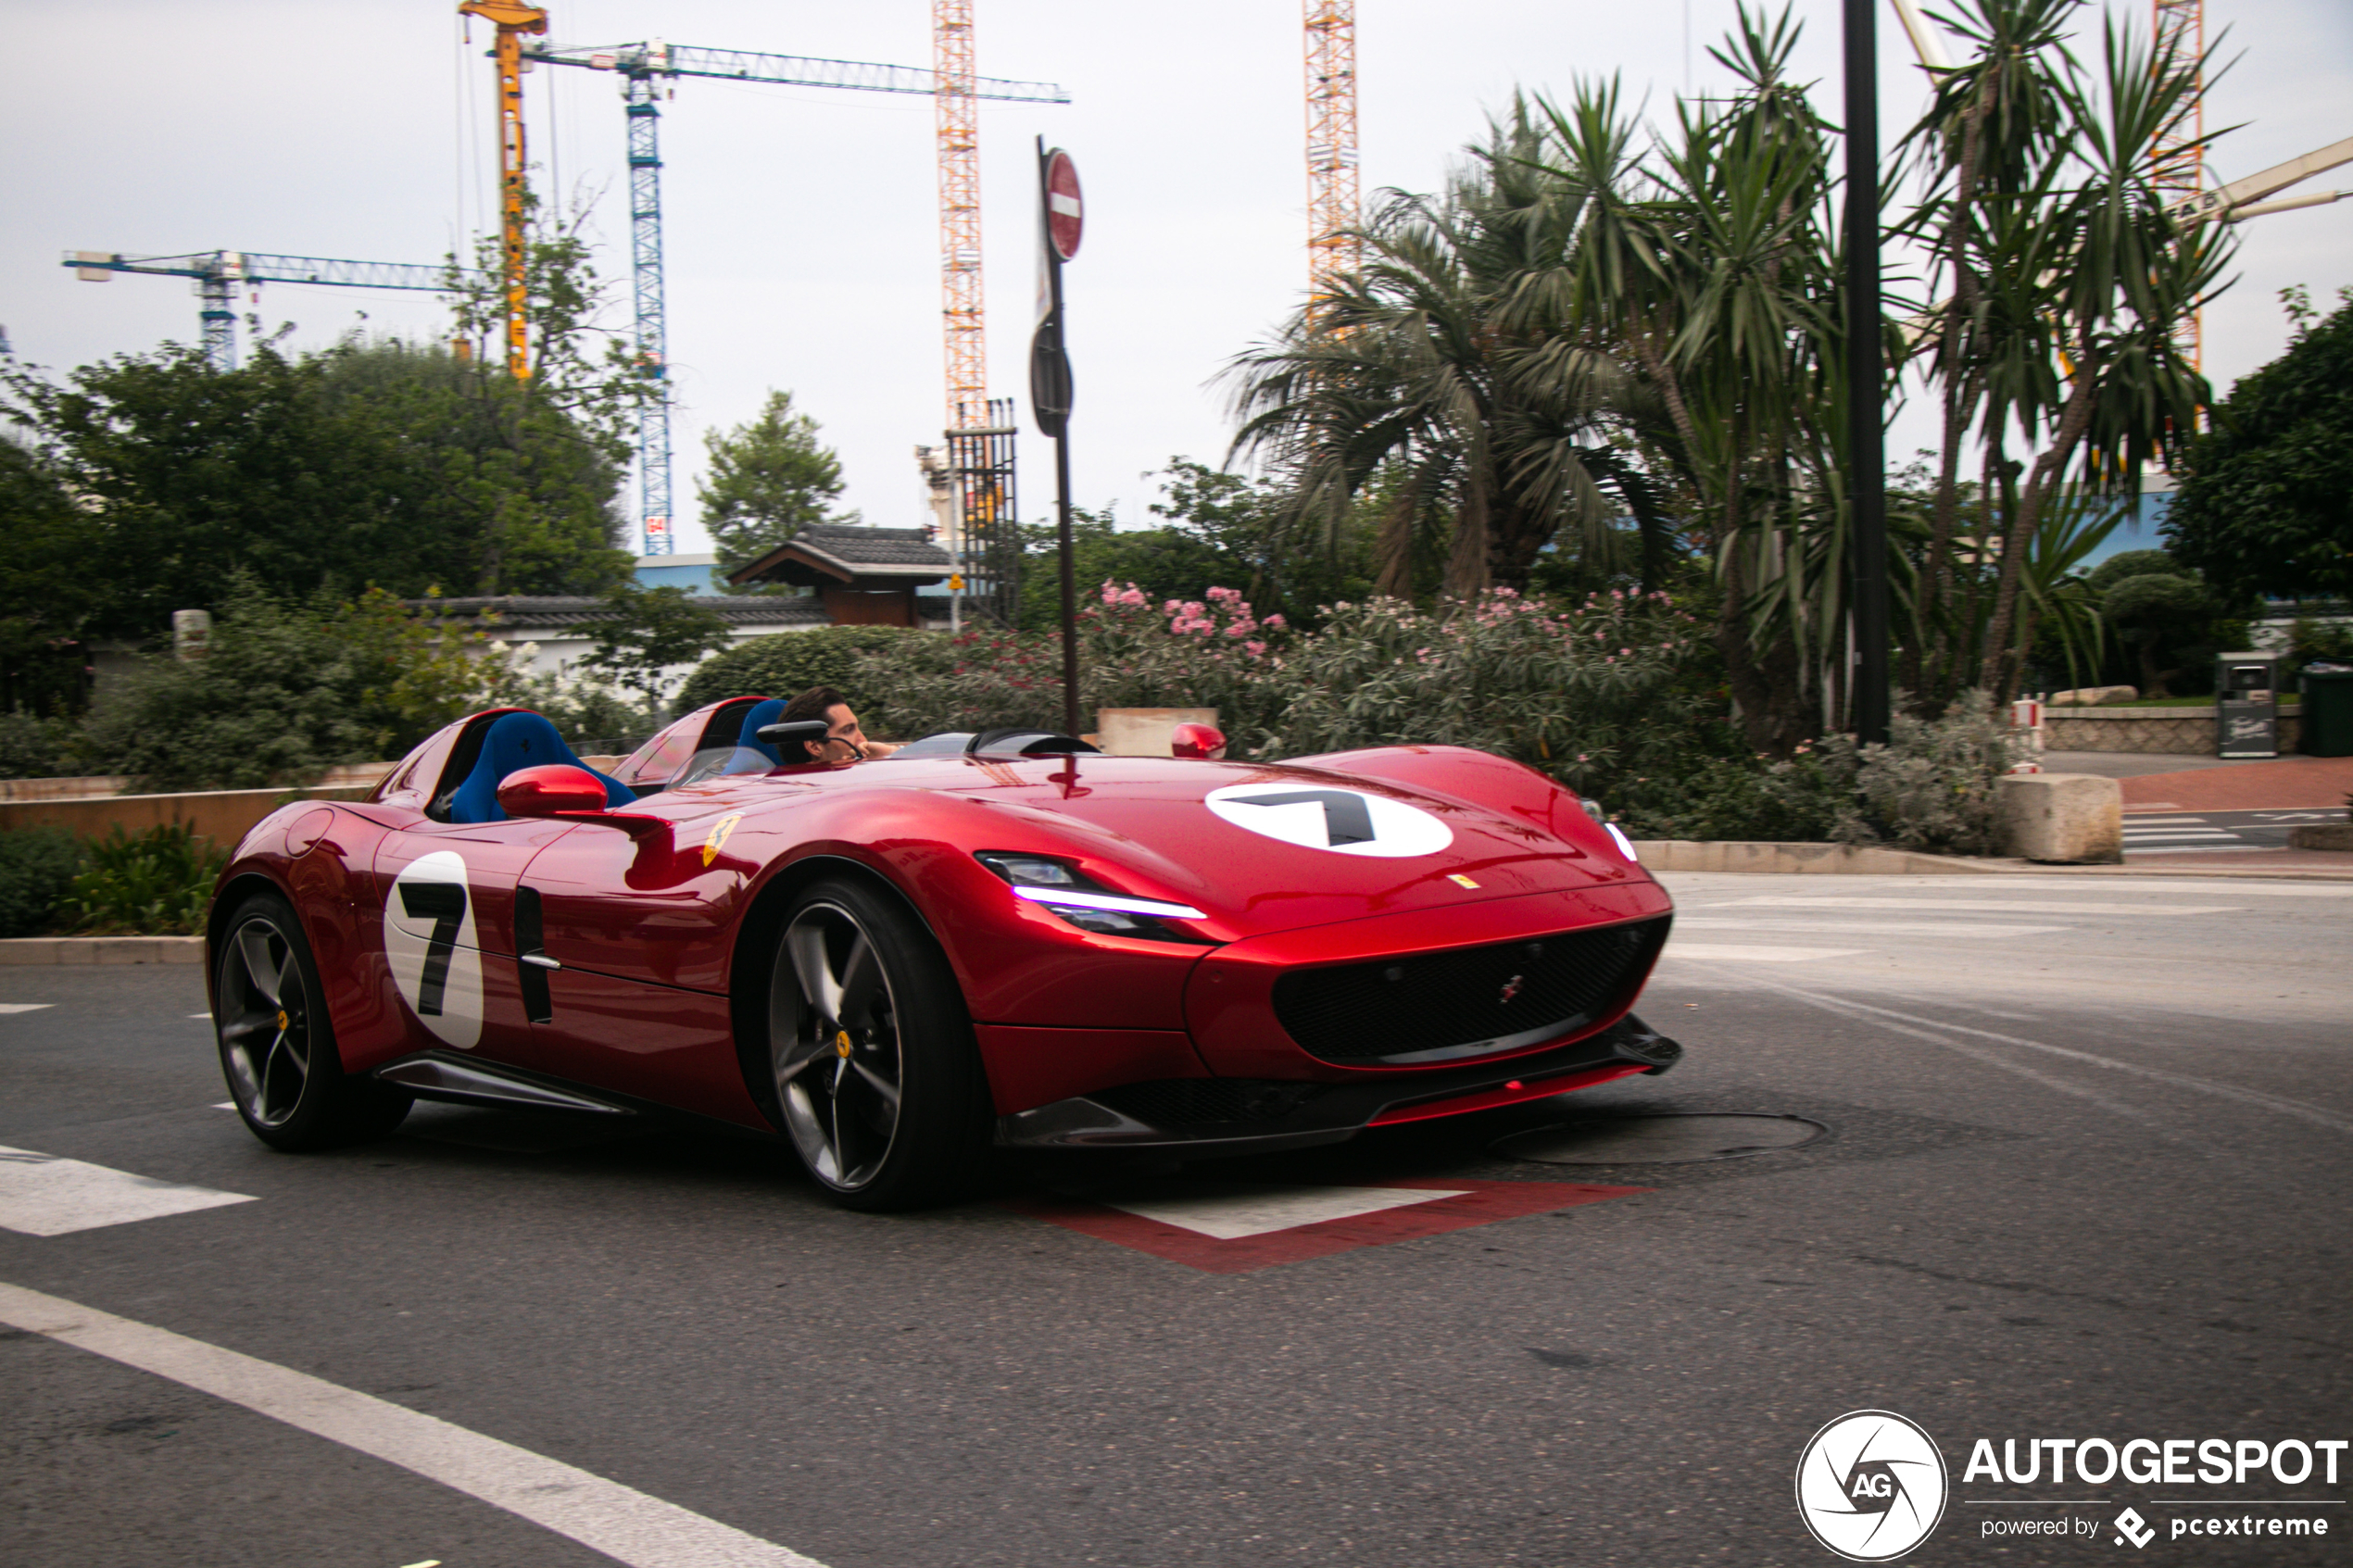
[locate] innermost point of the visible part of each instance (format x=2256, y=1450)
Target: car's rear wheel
x=871, y=1053
x=277, y=1045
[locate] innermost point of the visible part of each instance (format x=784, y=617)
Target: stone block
x=2063, y=818
x=2092, y=697
x=1145, y=732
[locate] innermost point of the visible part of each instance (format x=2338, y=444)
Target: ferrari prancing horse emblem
x=718, y=839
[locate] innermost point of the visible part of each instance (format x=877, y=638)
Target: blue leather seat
x=752, y=754
x=515, y=741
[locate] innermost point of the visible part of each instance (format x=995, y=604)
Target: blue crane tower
x=643, y=68
x=219, y=272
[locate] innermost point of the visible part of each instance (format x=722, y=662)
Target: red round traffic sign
x=1064, y=211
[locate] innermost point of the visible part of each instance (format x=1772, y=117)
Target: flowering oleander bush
x=1615, y=697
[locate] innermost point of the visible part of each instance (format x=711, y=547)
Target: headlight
x=1625, y=845
x=1084, y=903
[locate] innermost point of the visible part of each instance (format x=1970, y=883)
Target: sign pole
x=1060, y=215
x=1865, y=429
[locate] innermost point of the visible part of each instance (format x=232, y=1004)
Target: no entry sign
x=1065, y=213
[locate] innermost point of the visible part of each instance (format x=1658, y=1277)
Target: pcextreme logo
x=1872, y=1485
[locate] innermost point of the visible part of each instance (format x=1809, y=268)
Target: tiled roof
x=529, y=613
x=858, y=552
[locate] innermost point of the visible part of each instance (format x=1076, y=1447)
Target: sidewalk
x=2290, y=784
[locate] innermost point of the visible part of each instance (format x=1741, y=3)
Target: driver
x=843, y=744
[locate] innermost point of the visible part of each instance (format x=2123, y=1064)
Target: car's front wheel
x=277, y=1044
x=871, y=1053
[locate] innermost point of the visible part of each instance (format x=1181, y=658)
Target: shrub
x=37, y=867
x=972, y=681
x=156, y=883
x=788, y=663
x=35, y=748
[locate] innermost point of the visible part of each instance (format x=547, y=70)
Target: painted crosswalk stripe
x=24, y=1007
x=1229, y=1213
x=2240, y=888
x=1748, y=952
x=622, y=1523
x=2237, y=847
x=42, y=1194
x=1759, y=925
x=1996, y=906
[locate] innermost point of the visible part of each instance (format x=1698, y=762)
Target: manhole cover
x=1659, y=1140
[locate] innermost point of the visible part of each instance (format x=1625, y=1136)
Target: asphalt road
x=2081, y=1173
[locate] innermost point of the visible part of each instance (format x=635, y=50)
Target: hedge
x=788, y=663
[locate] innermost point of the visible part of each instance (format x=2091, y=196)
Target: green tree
x=768, y=479
x=2265, y=503
x=649, y=631
x=383, y=463
x=48, y=588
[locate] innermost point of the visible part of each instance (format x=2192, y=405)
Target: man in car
x=843, y=744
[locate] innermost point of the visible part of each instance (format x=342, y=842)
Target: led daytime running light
x=1070, y=898
x=1625, y=845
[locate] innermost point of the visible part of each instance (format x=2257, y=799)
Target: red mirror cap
x=552, y=787
x=1198, y=742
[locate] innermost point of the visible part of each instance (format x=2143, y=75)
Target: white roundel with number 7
x=428, y=936
x=1347, y=822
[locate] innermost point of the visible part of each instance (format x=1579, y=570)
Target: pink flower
x=1134, y=596
x=1276, y=621
x=1256, y=650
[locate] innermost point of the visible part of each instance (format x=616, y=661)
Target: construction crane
x=643, y=68
x=219, y=273
x=514, y=21
x=1332, y=210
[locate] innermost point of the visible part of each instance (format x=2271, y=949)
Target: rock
x=2093, y=696
x=2063, y=818
x=2324, y=835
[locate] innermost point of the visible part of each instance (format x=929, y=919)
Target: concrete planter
x=224, y=816
x=2063, y=818
x=101, y=949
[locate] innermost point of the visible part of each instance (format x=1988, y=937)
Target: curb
x=101, y=949
x=1838, y=860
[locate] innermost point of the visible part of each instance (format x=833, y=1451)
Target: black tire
x=871, y=1066
x=277, y=1043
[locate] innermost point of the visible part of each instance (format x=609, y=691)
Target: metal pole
x=1865, y=433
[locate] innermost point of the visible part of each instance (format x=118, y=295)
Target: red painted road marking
x=1470, y=1204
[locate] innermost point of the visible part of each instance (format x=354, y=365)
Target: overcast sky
x=801, y=224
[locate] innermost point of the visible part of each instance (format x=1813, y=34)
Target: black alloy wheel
x=871, y=1055
x=277, y=1045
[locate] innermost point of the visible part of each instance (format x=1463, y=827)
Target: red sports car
x=1005, y=939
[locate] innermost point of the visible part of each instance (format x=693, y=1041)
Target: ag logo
x=428, y=936
x=1871, y=1486
x=1348, y=821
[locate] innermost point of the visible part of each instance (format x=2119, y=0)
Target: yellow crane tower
x=1333, y=212
x=958, y=119
x=512, y=19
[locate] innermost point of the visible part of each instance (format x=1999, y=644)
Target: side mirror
x=549, y=790
x=781, y=736
x=1198, y=742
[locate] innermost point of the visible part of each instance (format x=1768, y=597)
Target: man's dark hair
x=814, y=703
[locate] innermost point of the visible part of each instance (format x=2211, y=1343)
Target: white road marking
x=1230, y=1213
x=1750, y=953
x=2169, y=847
x=2285, y=1106
x=606, y=1516
x=41, y=1195
x=1865, y=927
x=226, y=1105
x=24, y=1007
x=1999, y=905
x=2179, y=832
x=2238, y=887
x=205, y=1016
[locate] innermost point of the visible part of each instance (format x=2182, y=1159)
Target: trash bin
x=2328, y=710
x=2246, y=705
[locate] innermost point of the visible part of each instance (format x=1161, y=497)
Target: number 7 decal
x=430, y=945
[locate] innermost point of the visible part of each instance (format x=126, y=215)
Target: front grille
x=1439, y=1006
x=1174, y=1102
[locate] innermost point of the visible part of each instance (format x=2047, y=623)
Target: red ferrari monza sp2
x=1001, y=940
